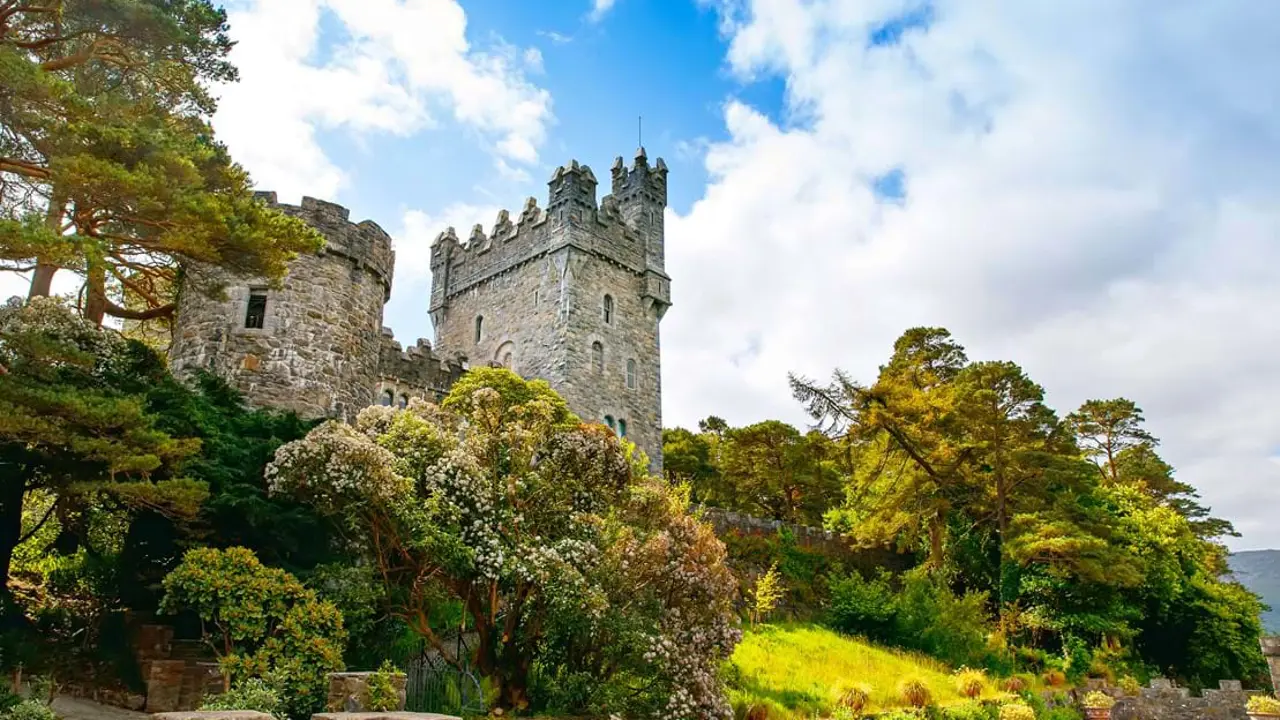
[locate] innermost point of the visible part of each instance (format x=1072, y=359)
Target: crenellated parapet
x=610, y=229
x=365, y=244
x=416, y=371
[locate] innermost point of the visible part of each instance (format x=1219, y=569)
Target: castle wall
x=413, y=373
x=318, y=350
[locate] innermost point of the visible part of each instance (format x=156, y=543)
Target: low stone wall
x=349, y=691
x=1164, y=701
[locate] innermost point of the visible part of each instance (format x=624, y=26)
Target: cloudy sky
x=1089, y=189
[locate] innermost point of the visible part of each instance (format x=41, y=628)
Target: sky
x=1088, y=189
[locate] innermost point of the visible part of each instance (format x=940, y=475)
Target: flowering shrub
x=564, y=557
x=1096, y=699
x=1262, y=705
x=261, y=622
x=1017, y=711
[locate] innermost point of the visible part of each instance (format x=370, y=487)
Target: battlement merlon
x=365, y=243
x=640, y=180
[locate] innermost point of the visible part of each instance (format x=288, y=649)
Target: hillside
x=1259, y=570
x=800, y=670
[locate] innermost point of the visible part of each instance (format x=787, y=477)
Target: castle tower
x=313, y=345
x=572, y=294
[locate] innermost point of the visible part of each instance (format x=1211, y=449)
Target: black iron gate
x=438, y=686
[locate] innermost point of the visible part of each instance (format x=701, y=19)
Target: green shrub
x=901, y=714
x=382, y=694
x=1263, y=705
x=1061, y=713
x=30, y=710
x=861, y=607
x=251, y=694
x=914, y=692
x=930, y=617
x=8, y=699
x=1017, y=711
x=1096, y=699
x=1130, y=685
x=965, y=711
x=970, y=683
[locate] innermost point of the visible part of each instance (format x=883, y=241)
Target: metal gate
x=435, y=685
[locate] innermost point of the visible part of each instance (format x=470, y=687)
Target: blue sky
x=1087, y=189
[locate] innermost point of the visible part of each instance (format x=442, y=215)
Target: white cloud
x=1089, y=192
x=600, y=7
x=395, y=66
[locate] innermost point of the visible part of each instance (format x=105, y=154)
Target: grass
x=798, y=671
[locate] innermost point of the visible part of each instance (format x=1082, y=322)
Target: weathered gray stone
x=214, y=715
x=1271, y=650
x=572, y=295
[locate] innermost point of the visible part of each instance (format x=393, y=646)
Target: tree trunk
x=42, y=277
x=95, y=300
x=12, y=492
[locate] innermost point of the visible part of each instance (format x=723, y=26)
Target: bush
x=855, y=699
x=1055, y=678
x=30, y=710
x=1263, y=705
x=970, y=683
x=251, y=694
x=861, y=607
x=930, y=617
x=1096, y=699
x=1017, y=711
x=382, y=694
x=1061, y=713
x=1130, y=685
x=1015, y=684
x=914, y=692
x=965, y=711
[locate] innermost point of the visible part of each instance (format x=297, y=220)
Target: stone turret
x=310, y=345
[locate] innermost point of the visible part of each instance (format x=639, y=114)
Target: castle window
x=608, y=309
x=388, y=397
x=256, y=313
x=608, y=420
x=404, y=401
x=597, y=356
x=479, y=327
x=622, y=427
x=631, y=373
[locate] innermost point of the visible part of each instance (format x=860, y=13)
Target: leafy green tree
x=771, y=470
x=765, y=595
x=74, y=419
x=544, y=530
x=107, y=162
x=261, y=622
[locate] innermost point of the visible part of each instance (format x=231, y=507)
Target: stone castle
x=572, y=294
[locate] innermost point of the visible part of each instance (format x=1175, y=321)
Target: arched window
x=404, y=401
x=597, y=356
x=608, y=309
x=388, y=397
x=608, y=420
x=479, y=327
x=505, y=356
x=622, y=427
x=631, y=373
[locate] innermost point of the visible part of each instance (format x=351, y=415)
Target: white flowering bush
x=590, y=588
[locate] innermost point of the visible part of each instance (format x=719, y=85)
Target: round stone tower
x=311, y=345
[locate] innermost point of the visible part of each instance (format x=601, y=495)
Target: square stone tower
x=572, y=294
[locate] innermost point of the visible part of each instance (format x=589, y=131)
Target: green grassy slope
x=800, y=670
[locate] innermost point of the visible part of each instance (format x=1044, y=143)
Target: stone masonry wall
x=318, y=350
x=538, y=283
x=413, y=373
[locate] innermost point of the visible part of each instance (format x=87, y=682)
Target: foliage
x=1017, y=711
x=249, y=694
x=382, y=694
x=914, y=692
x=1263, y=705
x=1015, y=683
x=29, y=710
x=1055, y=678
x=1074, y=528
x=261, y=622
x=1098, y=699
x=108, y=161
x=75, y=425
x=765, y=595
x=969, y=710
x=562, y=557
x=1130, y=685
x=971, y=683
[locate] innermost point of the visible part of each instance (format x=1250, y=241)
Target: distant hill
x=1259, y=570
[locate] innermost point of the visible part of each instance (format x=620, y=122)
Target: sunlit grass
x=800, y=670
